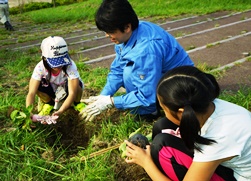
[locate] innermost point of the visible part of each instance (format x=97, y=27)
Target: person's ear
x=180, y=112
x=128, y=28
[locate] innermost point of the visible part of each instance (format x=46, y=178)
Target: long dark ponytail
x=189, y=88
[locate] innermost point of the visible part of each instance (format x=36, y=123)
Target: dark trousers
x=46, y=88
x=171, y=156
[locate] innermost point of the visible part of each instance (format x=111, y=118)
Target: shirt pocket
x=142, y=74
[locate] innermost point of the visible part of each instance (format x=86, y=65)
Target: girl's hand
x=137, y=155
x=44, y=119
x=57, y=113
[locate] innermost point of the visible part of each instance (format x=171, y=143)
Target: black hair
x=46, y=65
x=189, y=88
x=115, y=15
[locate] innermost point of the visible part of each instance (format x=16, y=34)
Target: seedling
x=22, y=118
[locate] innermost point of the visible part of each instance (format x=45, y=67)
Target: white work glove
x=91, y=99
x=102, y=103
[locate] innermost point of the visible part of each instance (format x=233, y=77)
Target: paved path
x=218, y=41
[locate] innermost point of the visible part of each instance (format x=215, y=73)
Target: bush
x=30, y=7
x=22, y=8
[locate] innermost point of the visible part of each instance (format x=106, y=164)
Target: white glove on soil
x=102, y=103
x=91, y=99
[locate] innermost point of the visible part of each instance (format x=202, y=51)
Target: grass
x=22, y=151
x=84, y=11
x=27, y=155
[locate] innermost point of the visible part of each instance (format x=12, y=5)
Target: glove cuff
x=112, y=101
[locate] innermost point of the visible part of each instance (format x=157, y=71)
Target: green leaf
x=22, y=118
x=135, y=132
x=123, y=155
x=122, y=147
x=22, y=115
x=30, y=108
x=14, y=114
x=149, y=137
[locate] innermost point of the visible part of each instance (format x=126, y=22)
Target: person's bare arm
x=198, y=170
x=33, y=87
x=203, y=170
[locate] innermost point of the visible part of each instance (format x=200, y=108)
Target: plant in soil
x=56, y=151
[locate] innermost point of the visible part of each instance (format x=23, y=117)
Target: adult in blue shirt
x=144, y=52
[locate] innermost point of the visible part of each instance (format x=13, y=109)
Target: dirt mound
x=75, y=133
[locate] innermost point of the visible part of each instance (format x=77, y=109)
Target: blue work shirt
x=139, y=64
